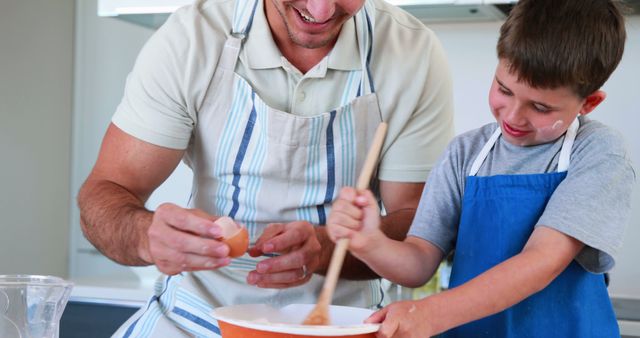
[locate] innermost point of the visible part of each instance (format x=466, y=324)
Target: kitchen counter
x=112, y=291
x=118, y=298
x=98, y=307
x=628, y=314
x=629, y=329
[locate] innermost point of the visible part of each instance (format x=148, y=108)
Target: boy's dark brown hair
x=554, y=43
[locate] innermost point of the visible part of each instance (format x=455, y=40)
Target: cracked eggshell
x=234, y=235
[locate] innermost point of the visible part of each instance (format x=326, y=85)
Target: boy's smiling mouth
x=513, y=131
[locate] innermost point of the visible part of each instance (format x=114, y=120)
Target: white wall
x=107, y=49
x=36, y=60
x=470, y=49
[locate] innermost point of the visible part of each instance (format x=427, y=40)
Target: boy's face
x=310, y=23
x=530, y=116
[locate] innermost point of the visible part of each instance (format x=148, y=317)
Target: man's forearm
x=114, y=221
x=395, y=225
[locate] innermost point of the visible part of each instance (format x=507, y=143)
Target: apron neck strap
x=484, y=152
x=563, y=160
x=243, y=13
x=365, y=25
x=567, y=145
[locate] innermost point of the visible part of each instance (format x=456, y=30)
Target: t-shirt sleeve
x=593, y=203
x=438, y=213
x=158, y=106
x=429, y=128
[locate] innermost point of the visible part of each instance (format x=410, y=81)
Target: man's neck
x=299, y=56
x=303, y=58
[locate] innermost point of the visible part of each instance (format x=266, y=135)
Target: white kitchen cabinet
x=122, y=7
x=152, y=13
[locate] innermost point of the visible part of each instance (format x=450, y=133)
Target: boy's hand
x=406, y=319
x=355, y=215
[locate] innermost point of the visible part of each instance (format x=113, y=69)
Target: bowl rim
x=299, y=329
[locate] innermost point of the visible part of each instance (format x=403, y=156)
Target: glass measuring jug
x=31, y=306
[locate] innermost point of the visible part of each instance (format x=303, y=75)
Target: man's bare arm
x=111, y=201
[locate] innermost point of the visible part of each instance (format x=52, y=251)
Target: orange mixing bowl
x=263, y=321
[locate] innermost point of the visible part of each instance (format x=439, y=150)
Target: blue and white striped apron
x=260, y=165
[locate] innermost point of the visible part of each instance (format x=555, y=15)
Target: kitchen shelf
x=628, y=315
x=153, y=21
x=627, y=308
x=151, y=14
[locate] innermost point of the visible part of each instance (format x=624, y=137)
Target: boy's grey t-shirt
x=592, y=204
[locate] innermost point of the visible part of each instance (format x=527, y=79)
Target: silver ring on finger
x=304, y=271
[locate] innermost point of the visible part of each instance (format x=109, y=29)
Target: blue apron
x=499, y=214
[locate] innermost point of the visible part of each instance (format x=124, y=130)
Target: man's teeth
x=307, y=18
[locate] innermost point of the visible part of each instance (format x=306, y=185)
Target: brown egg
x=234, y=235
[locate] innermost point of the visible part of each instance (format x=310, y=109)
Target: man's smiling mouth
x=306, y=17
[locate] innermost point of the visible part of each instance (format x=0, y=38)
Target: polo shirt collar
x=261, y=51
x=345, y=54
x=260, y=48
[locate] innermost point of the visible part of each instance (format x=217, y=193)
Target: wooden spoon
x=320, y=313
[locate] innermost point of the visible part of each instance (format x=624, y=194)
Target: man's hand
x=299, y=251
x=184, y=240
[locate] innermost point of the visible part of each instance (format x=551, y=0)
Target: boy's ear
x=592, y=101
